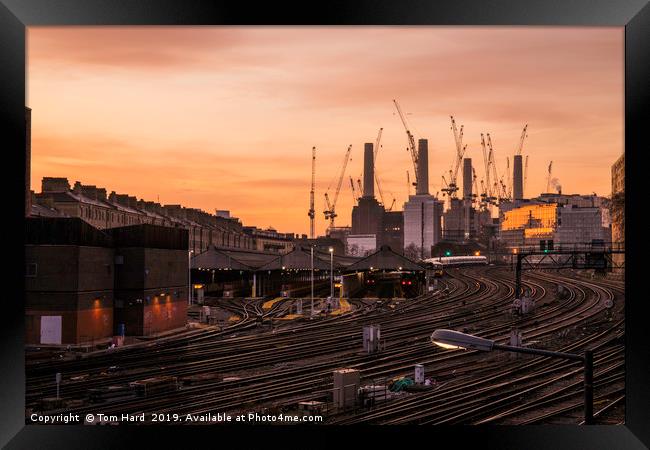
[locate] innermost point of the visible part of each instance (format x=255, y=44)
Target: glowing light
x=447, y=346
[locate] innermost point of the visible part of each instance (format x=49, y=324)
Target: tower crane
x=460, y=151
x=408, y=183
x=312, y=212
x=548, y=180
x=381, y=191
x=444, y=186
x=354, y=192
x=374, y=159
x=496, y=190
x=411, y=142
x=487, y=189
x=521, y=140
x=474, y=187
x=330, y=213
x=484, y=195
x=377, y=143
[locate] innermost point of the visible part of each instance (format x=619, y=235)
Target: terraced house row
x=103, y=211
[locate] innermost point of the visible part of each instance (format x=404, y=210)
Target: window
x=31, y=270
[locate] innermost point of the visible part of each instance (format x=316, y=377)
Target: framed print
x=274, y=222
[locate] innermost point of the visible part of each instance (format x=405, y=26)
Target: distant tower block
x=368, y=171
x=423, y=167
x=467, y=178
x=517, y=179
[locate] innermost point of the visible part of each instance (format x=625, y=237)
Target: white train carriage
x=441, y=263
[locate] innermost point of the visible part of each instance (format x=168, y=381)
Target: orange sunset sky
x=225, y=117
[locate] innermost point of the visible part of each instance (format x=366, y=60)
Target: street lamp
x=455, y=339
x=331, y=272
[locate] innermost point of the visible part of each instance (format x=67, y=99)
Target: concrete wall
x=86, y=317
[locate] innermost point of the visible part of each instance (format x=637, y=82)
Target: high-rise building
x=422, y=228
x=422, y=212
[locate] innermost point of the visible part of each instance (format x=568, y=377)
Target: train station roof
x=385, y=259
x=300, y=259
x=217, y=258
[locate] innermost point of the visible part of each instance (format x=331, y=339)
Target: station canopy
x=300, y=259
x=385, y=259
x=220, y=259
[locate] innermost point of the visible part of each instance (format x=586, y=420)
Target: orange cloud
x=225, y=117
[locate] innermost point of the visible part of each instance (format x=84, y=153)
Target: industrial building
x=462, y=222
x=422, y=212
x=372, y=225
x=563, y=219
x=151, y=278
x=617, y=208
x=69, y=282
x=367, y=215
x=82, y=282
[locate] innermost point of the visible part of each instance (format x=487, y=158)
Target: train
x=441, y=263
x=393, y=284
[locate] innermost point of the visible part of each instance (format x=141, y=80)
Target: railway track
x=296, y=360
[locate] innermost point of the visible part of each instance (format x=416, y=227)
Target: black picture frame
x=15, y=15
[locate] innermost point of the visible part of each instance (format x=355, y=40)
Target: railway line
x=294, y=362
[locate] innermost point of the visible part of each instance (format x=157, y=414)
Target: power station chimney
x=517, y=179
x=368, y=170
x=467, y=178
x=423, y=167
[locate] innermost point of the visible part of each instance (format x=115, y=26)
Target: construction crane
x=381, y=191
x=484, y=195
x=452, y=188
x=354, y=192
x=330, y=213
x=521, y=140
x=487, y=189
x=548, y=179
x=408, y=183
x=411, y=142
x=499, y=188
x=444, y=186
x=374, y=159
x=312, y=211
x=377, y=143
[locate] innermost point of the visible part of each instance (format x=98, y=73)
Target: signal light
x=448, y=253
